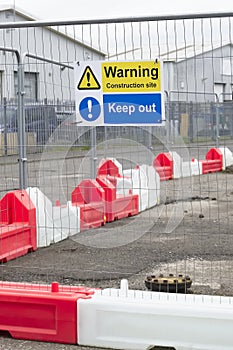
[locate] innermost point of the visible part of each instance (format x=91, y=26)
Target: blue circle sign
x=89, y=109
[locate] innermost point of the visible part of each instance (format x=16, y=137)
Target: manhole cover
x=169, y=284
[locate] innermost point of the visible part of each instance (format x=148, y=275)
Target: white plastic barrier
x=145, y=182
x=53, y=223
x=153, y=183
x=132, y=319
x=177, y=165
x=227, y=157
x=185, y=168
x=124, y=186
x=191, y=168
x=139, y=185
x=196, y=167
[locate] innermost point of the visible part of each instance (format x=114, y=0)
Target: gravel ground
x=189, y=233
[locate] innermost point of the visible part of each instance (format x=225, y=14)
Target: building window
x=30, y=86
x=227, y=66
x=219, y=90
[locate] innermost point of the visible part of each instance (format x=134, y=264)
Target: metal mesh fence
x=190, y=231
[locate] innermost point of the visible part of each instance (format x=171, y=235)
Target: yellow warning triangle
x=88, y=80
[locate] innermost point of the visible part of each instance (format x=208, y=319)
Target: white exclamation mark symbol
x=89, y=106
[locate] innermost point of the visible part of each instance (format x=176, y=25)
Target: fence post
x=93, y=152
x=167, y=116
x=21, y=126
x=217, y=121
x=5, y=125
x=191, y=117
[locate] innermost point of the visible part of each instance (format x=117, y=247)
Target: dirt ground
x=190, y=233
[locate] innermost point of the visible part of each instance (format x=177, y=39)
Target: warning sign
x=142, y=76
x=119, y=92
x=88, y=80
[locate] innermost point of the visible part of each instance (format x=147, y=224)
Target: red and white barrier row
x=116, y=318
x=170, y=165
x=29, y=220
x=113, y=195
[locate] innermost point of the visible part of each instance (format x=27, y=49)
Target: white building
x=42, y=79
x=199, y=74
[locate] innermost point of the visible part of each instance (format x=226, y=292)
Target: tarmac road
x=57, y=173
x=7, y=343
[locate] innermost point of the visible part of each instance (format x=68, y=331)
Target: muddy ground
x=190, y=232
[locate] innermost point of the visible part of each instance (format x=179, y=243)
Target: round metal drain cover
x=169, y=284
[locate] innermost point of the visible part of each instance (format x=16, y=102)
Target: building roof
x=17, y=11
x=28, y=17
x=192, y=51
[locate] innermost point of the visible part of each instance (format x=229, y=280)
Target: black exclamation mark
x=88, y=79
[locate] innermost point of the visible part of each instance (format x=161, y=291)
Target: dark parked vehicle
x=40, y=119
x=64, y=115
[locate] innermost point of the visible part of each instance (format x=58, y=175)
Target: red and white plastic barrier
x=116, y=318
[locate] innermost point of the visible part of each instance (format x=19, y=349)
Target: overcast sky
x=80, y=9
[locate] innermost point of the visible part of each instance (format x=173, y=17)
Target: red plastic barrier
x=39, y=314
x=117, y=206
x=47, y=288
x=17, y=225
x=163, y=164
x=213, y=161
x=89, y=196
x=108, y=167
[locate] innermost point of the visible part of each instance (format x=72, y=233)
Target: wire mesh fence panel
x=111, y=202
